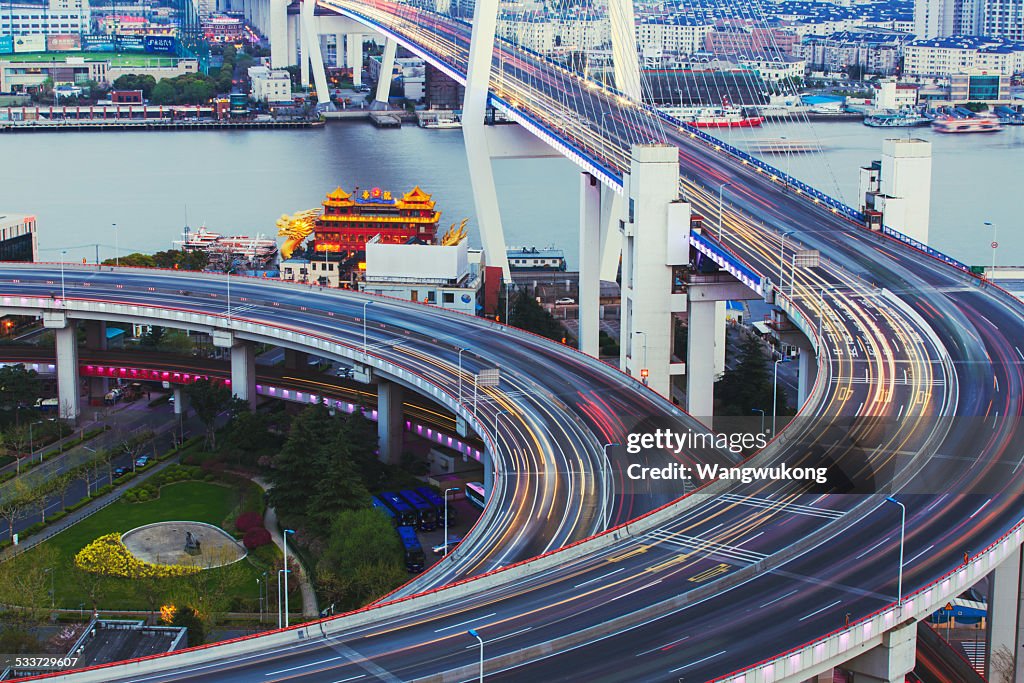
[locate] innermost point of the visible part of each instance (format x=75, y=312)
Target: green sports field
x=115, y=58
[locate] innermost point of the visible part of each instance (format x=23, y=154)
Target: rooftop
x=114, y=640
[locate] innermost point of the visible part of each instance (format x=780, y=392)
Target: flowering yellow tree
x=108, y=555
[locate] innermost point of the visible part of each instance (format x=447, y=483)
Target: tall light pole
x=53, y=598
x=903, y=532
x=286, y=573
x=758, y=410
x=645, y=356
x=995, y=244
x=605, y=484
x=279, y=619
x=63, y=253
x=31, y=447
x=117, y=247
x=365, y=354
x=446, y=491
x=228, y=276
x=721, y=222
x=775, y=393
x=460, y=372
x=782, y=250
x=263, y=592
x=476, y=635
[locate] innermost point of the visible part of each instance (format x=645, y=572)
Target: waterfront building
x=18, y=237
x=221, y=28
x=59, y=18
x=270, y=85
x=874, y=52
x=349, y=220
x=944, y=57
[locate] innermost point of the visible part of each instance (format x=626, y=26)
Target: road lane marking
x=463, y=623
x=709, y=573
x=919, y=554
x=872, y=548
x=351, y=678
x=494, y=640
x=635, y=551
x=981, y=508
x=663, y=647
x=603, y=576
x=808, y=616
x=303, y=666
x=781, y=597
x=687, y=666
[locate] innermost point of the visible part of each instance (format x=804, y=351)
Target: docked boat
x=896, y=120
x=715, y=117
x=439, y=120
x=983, y=123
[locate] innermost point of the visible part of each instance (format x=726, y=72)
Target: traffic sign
x=489, y=377
x=949, y=607
x=995, y=245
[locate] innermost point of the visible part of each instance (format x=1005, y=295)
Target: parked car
x=565, y=301
x=442, y=549
x=142, y=461
x=120, y=472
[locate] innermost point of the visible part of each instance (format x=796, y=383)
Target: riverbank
x=71, y=125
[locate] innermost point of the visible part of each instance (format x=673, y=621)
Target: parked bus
x=414, y=558
x=376, y=503
x=404, y=513
x=427, y=512
x=475, y=494
x=428, y=494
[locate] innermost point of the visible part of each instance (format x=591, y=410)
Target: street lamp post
x=721, y=222
x=644, y=379
x=605, y=484
x=53, y=598
x=995, y=245
x=286, y=573
x=460, y=372
x=117, y=247
x=775, y=392
x=903, y=532
x=758, y=410
x=476, y=635
x=365, y=354
x=63, y=253
x=782, y=250
x=31, y=443
x=446, y=491
x=279, y=619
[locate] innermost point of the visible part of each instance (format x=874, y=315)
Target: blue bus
x=377, y=504
x=428, y=494
x=475, y=494
x=414, y=558
x=404, y=513
x=427, y=512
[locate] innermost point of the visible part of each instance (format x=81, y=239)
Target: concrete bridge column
x=390, y=422
x=700, y=359
x=295, y=360
x=339, y=49
x=96, y=340
x=891, y=661
x=488, y=463
x=1005, y=627
x=807, y=372
x=589, y=301
x=243, y=372
x=278, y=33
x=354, y=56
x=68, y=381
x=181, y=402
x=387, y=67
x=474, y=108
x=292, y=56
x=312, y=58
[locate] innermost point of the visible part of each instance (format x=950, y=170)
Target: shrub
x=106, y=488
x=57, y=516
x=108, y=555
x=81, y=503
x=248, y=520
x=254, y=538
x=34, y=529
x=142, y=495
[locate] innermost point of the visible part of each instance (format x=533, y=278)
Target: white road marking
x=781, y=597
x=463, y=623
x=687, y=666
x=874, y=547
x=303, y=666
x=918, y=555
x=981, y=508
x=808, y=616
x=600, y=577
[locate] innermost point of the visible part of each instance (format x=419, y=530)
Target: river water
x=78, y=184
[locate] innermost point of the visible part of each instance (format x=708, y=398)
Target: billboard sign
x=6, y=45
x=69, y=42
x=130, y=43
x=30, y=43
x=98, y=43
x=160, y=43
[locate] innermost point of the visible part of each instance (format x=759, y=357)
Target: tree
x=363, y=558
x=209, y=399
x=38, y=496
x=164, y=92
x=25, y=586
x=15, y=506
x=749, y=384
x=530, y=315
x=188, y=617
x=19, y=387
x=136, y=259
x=61, y=483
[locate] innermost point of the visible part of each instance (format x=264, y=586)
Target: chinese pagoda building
x=348, y=221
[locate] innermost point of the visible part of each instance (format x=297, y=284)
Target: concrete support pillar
x=295, y=360
x=67, y=371
x=387, y=67
x=611, y=238
x=354, y=56
x=720, y=341
x=292, y=57
x=243, y=372
x=590, y=264
x=656, y=237
x=96, y=340
x=891, y=661
x=278, y=33
x=474, y=108
x=807, y=371
x=1005, y=627
x=339, y=49
x=311, y=52
x=625, y=55
x=181, y=402
x=488, y=473
x=700, y=360
x=390, y=422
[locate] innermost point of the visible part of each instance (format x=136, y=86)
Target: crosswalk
x=975, y=653
x=708, y=547
x=780, y=505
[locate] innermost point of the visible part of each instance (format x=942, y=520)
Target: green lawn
x=189, y=500
x=116, y=58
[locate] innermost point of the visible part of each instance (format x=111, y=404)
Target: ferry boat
x=439, y=120
x=715, y=117
x=253, y=253
x=900, y=119
x=984, y=123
